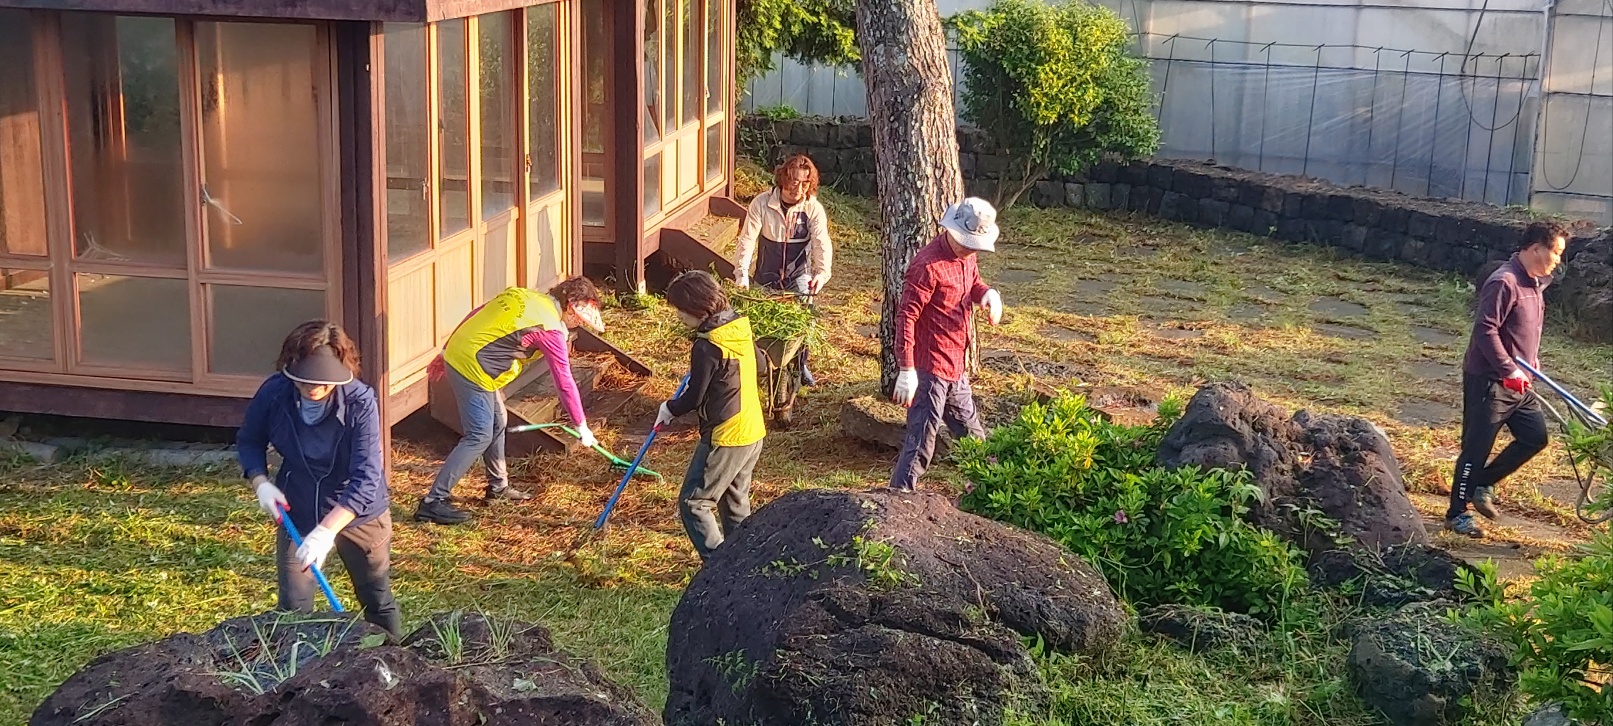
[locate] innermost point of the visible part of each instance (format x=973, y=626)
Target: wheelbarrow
x=778, y=373
x=1591, y=505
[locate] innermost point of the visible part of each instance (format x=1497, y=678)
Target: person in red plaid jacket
x=933, y=320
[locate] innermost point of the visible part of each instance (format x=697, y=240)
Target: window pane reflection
x=25, y=330
x=142, y=321
x=496, y=61
x=408, y=172
x=262, y=190
x=128, y=181
x=543, y=89
x=22, y=171
x=453, y=126
x=250, y=323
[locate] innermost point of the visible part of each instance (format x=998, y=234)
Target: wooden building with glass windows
x=183, y=181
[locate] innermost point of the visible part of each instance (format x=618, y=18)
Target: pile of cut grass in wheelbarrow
x=781, y=319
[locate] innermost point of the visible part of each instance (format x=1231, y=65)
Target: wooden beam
x=376, y=10
x=449, y=9
x=130, y=405
x=625, y=22
x=361, y=104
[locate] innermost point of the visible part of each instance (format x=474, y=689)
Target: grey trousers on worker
x=936, y=401
x=716, y=493
x=483, y=418
x=366, y=552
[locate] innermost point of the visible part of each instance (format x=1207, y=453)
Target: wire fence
x=1424, y=123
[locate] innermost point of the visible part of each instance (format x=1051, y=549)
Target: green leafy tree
x=809, y=31
x=1057, y=86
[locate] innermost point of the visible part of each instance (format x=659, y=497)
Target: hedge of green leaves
x=1157, y=535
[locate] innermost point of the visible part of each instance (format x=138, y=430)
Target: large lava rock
x=1584, y=289
x=1339, y=466
x=284, y=669
x=832, y=607
x=1417, y=667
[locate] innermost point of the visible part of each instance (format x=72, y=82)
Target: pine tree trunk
x=904, y=65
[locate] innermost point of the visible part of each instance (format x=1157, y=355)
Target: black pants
x=366, y=552
x=1486, y=407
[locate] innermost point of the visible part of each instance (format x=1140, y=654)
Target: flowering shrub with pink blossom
x=1158, y=535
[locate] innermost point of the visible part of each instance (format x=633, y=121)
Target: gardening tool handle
x=1569, y=397
x=319, y=577
x=628, y=475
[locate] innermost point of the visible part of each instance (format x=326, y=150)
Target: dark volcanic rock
x=1200, y=628
x=1416, y=667
x=1584, y=289
x=846, y=608
x=1339, y=466
x=299, y=670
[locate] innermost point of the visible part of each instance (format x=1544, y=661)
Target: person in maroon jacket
x=933, y=320
x=1495, y=390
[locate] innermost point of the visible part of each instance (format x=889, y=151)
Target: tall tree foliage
x=1057, y=86
x=809, y=31
x=904, y=66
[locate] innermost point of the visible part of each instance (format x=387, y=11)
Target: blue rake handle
x=319, y=577
x=627, y=475
x=1569, y=397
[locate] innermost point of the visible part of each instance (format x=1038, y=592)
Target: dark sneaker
x=440, y=512
x=1465, y=525
x=1484, y=501
x=509, y=493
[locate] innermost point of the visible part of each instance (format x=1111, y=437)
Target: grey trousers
x=366, y=552
x=483, y=418
x=717, y=484
x=936, y=401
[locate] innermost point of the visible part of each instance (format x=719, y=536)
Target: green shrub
x=809, y=31
x=1057, y=86
x=1157, y=535
x=1563, y=630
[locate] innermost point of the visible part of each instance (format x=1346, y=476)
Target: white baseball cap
x=973, y=223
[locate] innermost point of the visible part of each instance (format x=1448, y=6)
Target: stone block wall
x=1444, y=235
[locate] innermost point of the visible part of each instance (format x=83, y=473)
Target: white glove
x=907, y=384
x=815, y=285
x=742, y=279
x=994, y=305
x=270, y=499
x=664, y=416
x=586, y=437
x=316, y=547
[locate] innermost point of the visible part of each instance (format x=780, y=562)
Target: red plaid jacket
x=937, y=310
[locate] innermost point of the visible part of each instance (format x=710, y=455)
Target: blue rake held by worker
x=1589, y=418
x=610, y=505
x=319, y=576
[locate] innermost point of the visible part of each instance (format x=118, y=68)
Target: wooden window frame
x=64, y=268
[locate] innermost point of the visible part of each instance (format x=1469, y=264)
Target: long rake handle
x=1569, y=397
x=319, y=577
x=614, y=459
x=620, y=487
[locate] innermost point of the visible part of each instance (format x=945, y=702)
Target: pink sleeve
x=553, y=344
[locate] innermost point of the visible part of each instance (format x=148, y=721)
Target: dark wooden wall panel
x=130, y=405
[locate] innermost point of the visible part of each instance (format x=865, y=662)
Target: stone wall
x=1444, y=235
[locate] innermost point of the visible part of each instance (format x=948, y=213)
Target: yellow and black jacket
x=722, y=382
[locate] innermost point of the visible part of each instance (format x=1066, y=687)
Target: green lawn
x=98, y=557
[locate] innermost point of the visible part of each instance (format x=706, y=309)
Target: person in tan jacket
x=791, y=229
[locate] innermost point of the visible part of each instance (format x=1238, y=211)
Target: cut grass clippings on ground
x=101, y=557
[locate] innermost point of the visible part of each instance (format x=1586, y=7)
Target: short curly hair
x=794, y=163
x=574, y=291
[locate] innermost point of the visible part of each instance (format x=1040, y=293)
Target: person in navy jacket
x=326, y=425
